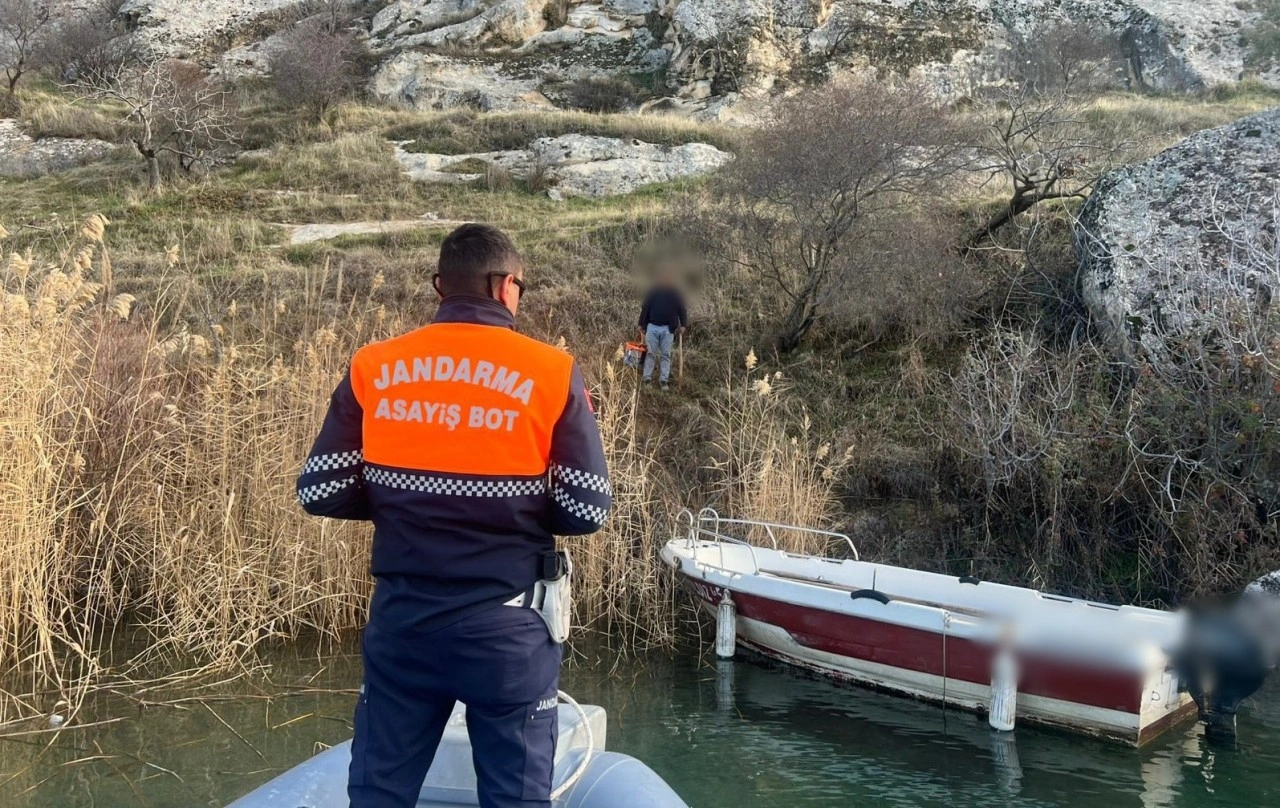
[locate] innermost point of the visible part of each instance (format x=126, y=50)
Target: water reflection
x=739, y=734
x=725, y=735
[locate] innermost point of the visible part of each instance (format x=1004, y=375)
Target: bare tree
x=1076, y=56
x=1039, y=145
x=172, y=108
x=23, y=26
x=816, y=180
x=320, y=60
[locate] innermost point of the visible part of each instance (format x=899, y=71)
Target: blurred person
x=662, y=317
x=469, y=447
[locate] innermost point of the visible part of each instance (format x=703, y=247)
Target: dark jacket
x=664, y=306
x=469, y=446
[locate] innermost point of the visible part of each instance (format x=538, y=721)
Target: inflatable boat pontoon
x=585, y=776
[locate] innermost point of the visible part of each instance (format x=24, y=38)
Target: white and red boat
x=1093, y=668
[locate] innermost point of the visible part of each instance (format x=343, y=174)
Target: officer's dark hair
x=470, y=258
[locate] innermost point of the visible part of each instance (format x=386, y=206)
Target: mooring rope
x=573, y=779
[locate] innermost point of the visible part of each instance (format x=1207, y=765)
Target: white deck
x=1127, y=639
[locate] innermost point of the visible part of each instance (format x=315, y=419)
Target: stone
x=749, y=47
x=398, y=22
x=576, y=165
x=1160, y=243
x=630, y=8
x=428, y=81
x=467, y=23
x=183, y=28
x=23, y=157
x=514, y=21
x=434, y=168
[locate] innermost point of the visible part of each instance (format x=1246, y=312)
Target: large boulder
x=23, y=157
x=955, y=44
x=1180, y=250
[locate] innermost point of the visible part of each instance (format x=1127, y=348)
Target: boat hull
x=1124, y=705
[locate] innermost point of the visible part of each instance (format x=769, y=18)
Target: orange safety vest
x=461, y=398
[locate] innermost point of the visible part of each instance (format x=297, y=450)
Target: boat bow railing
x=710, y=525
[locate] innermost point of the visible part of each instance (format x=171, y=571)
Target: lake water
x=725, y=735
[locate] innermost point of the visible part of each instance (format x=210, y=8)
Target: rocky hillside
x=714, y=58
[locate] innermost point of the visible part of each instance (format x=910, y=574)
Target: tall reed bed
x=147, y=474
x=770, y=462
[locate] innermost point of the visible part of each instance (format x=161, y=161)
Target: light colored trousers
x=658, y=339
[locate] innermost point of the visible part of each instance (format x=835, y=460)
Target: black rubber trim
x=969, y=579
x=871, y=594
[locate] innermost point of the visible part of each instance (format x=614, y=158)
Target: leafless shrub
x=538, y=179
x=1040, y=149
x=1076, y=56
x=497, y=178
x=172, y=108
x=1263, y=37
x=320, y=61
x=602, y=94
x=92, y=46
x=912, y=283
x=803, y=191
x=24, y=29
x=1158, y=480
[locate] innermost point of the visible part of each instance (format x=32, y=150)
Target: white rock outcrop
x=709, y=50
x=576, y=165
x=185, y=27
x=430, y=81
x=1181, y=248
x=23, y=157
x=592, y=166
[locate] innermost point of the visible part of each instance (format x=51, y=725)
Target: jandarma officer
x=469, y=447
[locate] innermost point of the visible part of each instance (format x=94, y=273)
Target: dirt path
x=308, y=233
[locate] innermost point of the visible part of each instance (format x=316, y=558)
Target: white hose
x=573, y=779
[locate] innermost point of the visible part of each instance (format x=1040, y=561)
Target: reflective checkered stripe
x=315, y=493
x=576, y=507
x=330, y=462
x=455, y=486
x=582, y=479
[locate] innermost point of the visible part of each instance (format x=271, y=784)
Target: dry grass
x=149, y=476
x=764, y=471
x=149, y=460
x=1156, y=122
x=149, y=471
x=51, y=114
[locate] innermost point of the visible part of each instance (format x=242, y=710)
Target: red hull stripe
x=921, y=651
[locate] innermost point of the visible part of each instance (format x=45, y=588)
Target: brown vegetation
x=952, y=412
x=814, y=183
x=320, y=60
x=24, y=28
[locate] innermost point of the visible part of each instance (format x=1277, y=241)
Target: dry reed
x=148, y=479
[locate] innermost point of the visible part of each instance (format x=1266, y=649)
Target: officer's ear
x=435, y=284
